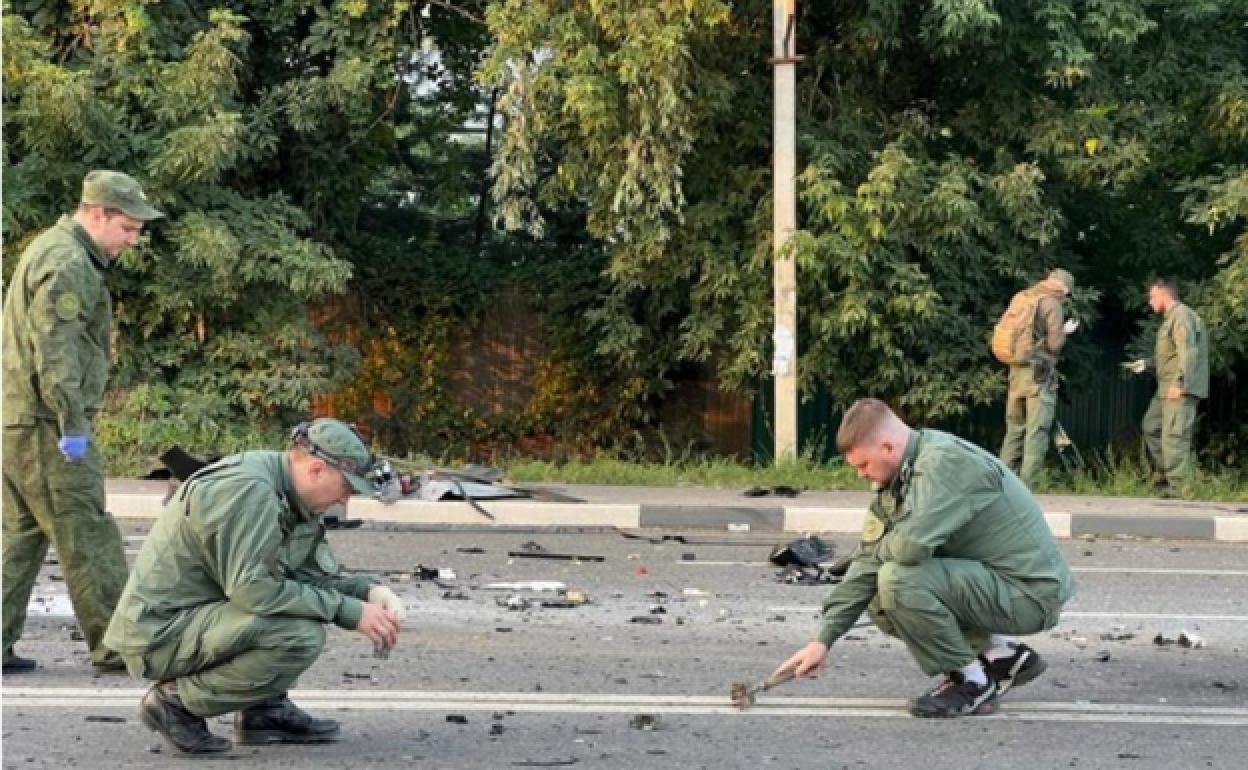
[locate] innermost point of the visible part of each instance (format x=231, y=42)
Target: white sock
x=1000, y=647
x=974, y=672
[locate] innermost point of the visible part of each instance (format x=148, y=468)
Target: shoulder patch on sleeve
x=325, y=559
x=872, y=528
x=68, y=306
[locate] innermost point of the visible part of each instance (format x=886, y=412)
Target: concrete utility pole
x=784, y=337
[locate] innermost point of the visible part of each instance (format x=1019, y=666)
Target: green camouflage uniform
x=57, y=321
x=1031, y=402
x=231, y=588
x=1181, y=359
x=954, y=550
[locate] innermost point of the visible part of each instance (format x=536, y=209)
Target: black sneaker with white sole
x=1016, y=670
x=956, y=697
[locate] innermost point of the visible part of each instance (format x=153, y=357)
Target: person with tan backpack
x=1028, y=338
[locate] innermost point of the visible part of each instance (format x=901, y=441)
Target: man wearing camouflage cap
x=229, y=595
x=57, y=322
x=1031, y=401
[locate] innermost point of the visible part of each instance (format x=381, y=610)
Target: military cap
x=1064, y=278
x=338, y=444
x=115, y=190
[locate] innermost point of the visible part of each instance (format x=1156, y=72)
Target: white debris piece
x=553, y=586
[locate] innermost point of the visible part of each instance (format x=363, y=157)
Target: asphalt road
x=589, y=687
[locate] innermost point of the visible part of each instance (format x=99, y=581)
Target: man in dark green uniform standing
x=57, y=322
x=1181, y=360
x=1031, y=403
x=229, y=595
x=955, y=553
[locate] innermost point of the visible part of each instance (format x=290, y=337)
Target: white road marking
x=1102, y=570
x=1157, y=616
x=419, y=700
x=1075, y=614
x=1163, y=571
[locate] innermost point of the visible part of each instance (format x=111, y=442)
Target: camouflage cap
x=115, y=190
x=340, y=445
x=1064, y=278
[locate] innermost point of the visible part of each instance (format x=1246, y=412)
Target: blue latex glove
x=73, y=447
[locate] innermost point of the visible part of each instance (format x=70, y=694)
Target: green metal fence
x=1100, y=411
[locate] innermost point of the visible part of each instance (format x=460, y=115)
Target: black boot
x=162, y=710
x=277, y=720
x=16, y=664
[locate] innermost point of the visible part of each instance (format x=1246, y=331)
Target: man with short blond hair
x=57, y=324
x=860, y=423
x=955, y=554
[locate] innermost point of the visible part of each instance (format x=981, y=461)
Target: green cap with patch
x=115, y=190
x=338, y=444
x=1063, y=278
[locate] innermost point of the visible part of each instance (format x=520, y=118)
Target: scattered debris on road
x=458, y=719
x=743, y=695
x=1118, y=634
x=513, y=603
x=780, y=490
x=568, y=600
x=544, y=554
x=809, y=551
x=421, y=572
x=537, y=586
x=1191, y=641
x=1184, y=639
x=105, y=718
x=644, y=722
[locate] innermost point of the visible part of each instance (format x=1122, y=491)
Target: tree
x=952, y=151
x=257, y=130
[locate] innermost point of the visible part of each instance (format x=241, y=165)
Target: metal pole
x=784, y=356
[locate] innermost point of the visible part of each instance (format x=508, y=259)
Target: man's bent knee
x=901, y=585
x=298, y=638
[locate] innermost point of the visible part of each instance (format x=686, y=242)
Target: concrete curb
x=729, y=518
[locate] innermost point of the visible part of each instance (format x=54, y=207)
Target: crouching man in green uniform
x=955, y=554
x=226, y=603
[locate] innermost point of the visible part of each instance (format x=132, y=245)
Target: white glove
x=1071, y=325
x=388, y=600
x=1138, y=366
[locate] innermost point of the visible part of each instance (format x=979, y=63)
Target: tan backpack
x=1014, y=338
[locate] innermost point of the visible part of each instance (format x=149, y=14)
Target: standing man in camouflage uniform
x=229, y=595
x=1181, y=361
x=57, y=322
x=1031, y=403
x=955, y=553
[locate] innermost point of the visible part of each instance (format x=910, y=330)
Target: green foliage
x=951, y=153
x=150, y=419
x=1220, y=202
x=332, y=194
x=1126, y=474
x=231, y=119
x=1117, y=476
x=712, y=472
